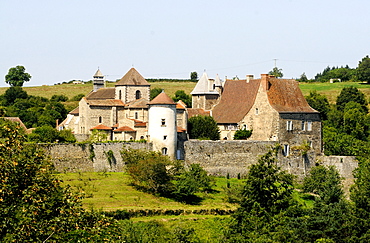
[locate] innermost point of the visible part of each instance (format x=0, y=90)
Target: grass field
x=111, y=191
x=331, y=91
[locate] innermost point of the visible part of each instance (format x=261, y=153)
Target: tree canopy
x=17, y=76
x=203, y=127
x=277, y=72
x=363, y=69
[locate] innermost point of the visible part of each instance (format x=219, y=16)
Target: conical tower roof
x=132, y=77
x=162, y=99
x=217, y=81
x=98, y=73
x=202, y=87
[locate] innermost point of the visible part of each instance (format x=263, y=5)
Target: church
x=273, y=108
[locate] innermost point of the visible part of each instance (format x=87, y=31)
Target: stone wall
x=90, y=157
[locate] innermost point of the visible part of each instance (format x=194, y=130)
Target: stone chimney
x=248, y=77
x=265, y=81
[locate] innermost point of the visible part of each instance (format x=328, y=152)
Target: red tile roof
x=162, y=99
x=236, y=100
x=124, y=129
x=132, y=77
x=180, y=129
x=140, y=103
x=102, y=94
x=180, y=105
x=197, y=112
x=100, y=127
x=108, y=103
x=285, y=96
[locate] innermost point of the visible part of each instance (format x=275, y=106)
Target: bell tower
x=98, y=80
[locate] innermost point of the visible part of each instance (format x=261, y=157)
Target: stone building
x=274, y=109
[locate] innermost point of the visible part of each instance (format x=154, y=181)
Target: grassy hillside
x=71, y=90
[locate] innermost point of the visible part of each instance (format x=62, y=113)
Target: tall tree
x=194, y=76
x=203, y=127
x=319, y=102
x=17, y=76
x=277, y=72
x=363, y=69
x=351, y=94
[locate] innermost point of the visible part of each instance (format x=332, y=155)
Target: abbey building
x=274, y=109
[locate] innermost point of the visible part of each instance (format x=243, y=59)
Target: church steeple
x=98, y=80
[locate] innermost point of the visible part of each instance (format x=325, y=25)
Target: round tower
x=162, y=128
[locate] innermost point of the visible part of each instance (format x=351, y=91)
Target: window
x=164, y=151
x=309, y=126
x=120, y=95
x=256, y=111
x=303, y=126
x=163, y=122
x=136, y=115
x=245, y=127
x=286, y=150
x=289, y=125
x=165, y=137
x=100, y=119
x=138, y=94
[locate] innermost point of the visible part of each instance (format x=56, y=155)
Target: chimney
x=265, y=81
x=248, y=77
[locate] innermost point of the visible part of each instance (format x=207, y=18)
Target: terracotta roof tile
x=180, y=129
x=101, y=94
x=108, y=103
x=100, y=127
x=285, y=96
x=197, y=112
x=124, y=129
x=162, y=98
x=132, y=77
x=180, y=105
x=236, y=100
x=140, y=103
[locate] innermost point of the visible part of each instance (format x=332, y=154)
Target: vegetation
x=242, y=134
x=181, y=95
x=277, y=72
x=203, y=127
x=17, y=76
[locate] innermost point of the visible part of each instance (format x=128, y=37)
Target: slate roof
x=98, y=73
x=132, y=77
x=203, y=86
x=236, y=100
x=162, y=99
x=75, y=111
x=102, y=94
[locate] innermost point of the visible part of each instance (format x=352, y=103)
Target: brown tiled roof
x=162, y=99
x=16, y=119
x=180, y=129
x=180, y=105
x=197, y=112
x=108, y=103
x=124, y=129
x=140, y=103
x=139, y=123
x=100, y=127
x=75, y=111
x=236, y=100
x=285, y=96
x=102, y=94
x=132, y=77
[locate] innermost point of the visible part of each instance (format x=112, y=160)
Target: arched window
x=164, y=151
x=138, y=94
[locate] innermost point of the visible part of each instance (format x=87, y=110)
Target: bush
x=242, y=134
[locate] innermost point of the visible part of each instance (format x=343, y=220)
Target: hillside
x=330, y=90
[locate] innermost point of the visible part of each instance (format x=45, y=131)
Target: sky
x=58, y=41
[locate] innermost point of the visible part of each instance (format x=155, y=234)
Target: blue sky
x=59, y=41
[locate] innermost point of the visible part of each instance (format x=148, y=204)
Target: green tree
x=59, y=98
x=148, y=171
x=363, y=69
x=277, y=72
x=203, y=127
x=181, y=95
x=154, y=92
x=242, y=134
x=33, y=204
x=351, y=94
x=319, y=102
x=17, y=76
x=13, y=93
x=325, y=182
x=303, y=78
x=194, y=76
